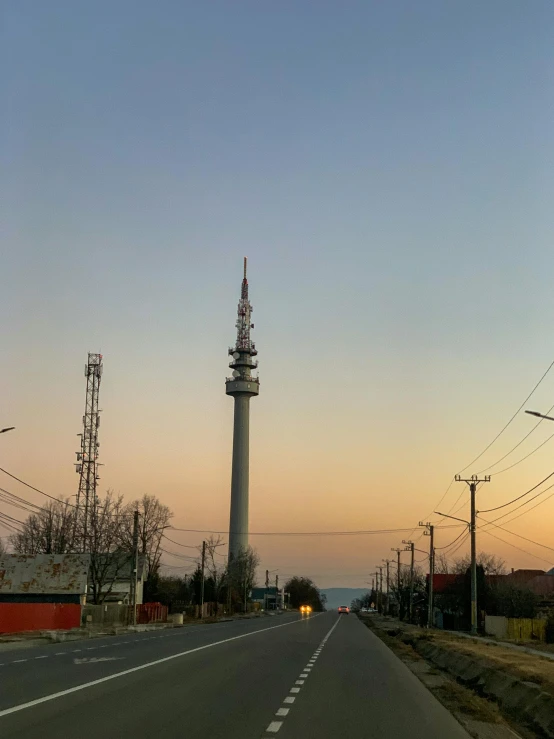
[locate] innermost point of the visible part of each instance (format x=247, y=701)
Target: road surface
x=292, y=676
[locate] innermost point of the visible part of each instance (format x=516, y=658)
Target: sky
x=388, y=170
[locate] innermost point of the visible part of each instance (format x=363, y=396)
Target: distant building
x=269, y=598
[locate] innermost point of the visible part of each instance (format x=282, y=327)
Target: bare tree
x=491, y=564
x=109, y=559
x=154, y=518
x=215, y=566
x=50, y=531
x=3, y=548
x=242, y=573
x=442, y=565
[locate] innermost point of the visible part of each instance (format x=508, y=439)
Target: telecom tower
x=241, y=386
x=87, y=458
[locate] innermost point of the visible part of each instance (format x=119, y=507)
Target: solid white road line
x=61, y=693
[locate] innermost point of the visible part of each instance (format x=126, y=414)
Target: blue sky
x=387, y=168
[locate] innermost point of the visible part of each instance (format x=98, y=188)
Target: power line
x=185, y=546
x=536, y=449
x=509, y=543
x=310, y=533
x=447, y=546
x=463, y=541
x=179, y=556
x=517, y=445
x=521, y=496
x=513, y=533
x=528, y=510
x=509, y=422
x=34, y=488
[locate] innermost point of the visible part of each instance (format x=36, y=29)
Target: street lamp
x=9, y=428
x=453, y=517
x=539, y=415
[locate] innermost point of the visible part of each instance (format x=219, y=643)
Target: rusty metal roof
x=44, y=573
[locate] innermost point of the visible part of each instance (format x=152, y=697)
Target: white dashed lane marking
x=274, y=726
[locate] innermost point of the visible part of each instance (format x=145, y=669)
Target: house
x=111, y=578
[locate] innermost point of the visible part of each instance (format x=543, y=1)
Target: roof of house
x=44, y=573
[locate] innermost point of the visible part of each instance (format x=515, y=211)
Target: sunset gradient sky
x=388, y=168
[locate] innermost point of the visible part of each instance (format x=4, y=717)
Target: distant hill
x=342, y=596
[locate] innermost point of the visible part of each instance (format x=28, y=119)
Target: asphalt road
x=291, y=676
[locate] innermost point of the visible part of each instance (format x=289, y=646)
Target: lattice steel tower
x=241, y=386
x=87, y=457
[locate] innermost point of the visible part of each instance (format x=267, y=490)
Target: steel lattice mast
x=242, y=386
x=87, y=457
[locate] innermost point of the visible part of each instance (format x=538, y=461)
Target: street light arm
x=453, y=517
x=9, y=428
x=539, y=415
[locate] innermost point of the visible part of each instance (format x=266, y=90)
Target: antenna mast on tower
x=87, y=457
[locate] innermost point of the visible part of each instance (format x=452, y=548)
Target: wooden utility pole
x=430, y=531
x=202, y=580
x=134, y=580
x=473, y=482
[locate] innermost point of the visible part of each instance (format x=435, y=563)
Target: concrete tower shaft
x=241, y=386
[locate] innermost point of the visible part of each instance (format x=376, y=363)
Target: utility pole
x=266, y=587
x=411, y=548
x=430, y=531
x=398, y=551
x=387, y=609
x=134, y=565
x=276, y=589
x=202, y=580
x=473, y=482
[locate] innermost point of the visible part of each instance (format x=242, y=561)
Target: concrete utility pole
x=266, y=587
x=135, y=565
x=473, y=482
x=411, y=548
x=202, y=580
x=387, y=609
x=398, y=551
x=241, y=386
x=276, y=590
x=430, y=531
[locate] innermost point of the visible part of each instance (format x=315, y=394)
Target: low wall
x=109, y=614
x=496, y=626
x=16, y=617
x=520, y=698
x=519, y=629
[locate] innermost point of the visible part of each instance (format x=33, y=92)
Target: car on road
x=344, y=609
x=305, y=609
